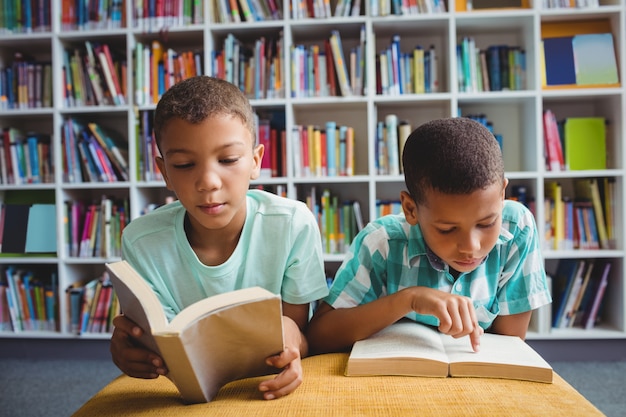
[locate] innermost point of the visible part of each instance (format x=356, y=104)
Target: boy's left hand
x=289, y=379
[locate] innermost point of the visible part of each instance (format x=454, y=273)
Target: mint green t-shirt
x=279, y=249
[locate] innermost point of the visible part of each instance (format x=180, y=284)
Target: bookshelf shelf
x=516, y=115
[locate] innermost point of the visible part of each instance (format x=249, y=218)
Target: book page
x=406, y=339
x=499, y=357
x=404, y=348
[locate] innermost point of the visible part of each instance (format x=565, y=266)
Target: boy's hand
x=129, y=356
x=288, y=380
x=289, y=361
x=456, y=314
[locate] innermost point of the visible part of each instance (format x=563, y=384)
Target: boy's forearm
x=294, y=336
x=335, y=330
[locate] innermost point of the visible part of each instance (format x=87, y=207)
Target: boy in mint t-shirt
x=219, y=236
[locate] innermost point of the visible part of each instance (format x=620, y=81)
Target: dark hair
x=452, y=156
x=195, y=99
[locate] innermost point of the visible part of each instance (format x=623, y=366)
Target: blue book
x=41, y=234
x=564, y=279
x=559, y=61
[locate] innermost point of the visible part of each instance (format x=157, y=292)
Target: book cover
x=559, y=61
x=15, y=227
x=585, y=143
x=212, y=342
x=41, y=233
x=594, y=59
x=412, y=349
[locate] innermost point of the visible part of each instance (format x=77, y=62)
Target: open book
x=409, y=348
x=211, y=342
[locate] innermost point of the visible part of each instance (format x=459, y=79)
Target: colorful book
x=585, y=143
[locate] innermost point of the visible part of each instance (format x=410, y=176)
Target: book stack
x=579, y=288
x=321, y=151
x=338, y=221
x=92, y=306
x=92, y=154
x=28, y=300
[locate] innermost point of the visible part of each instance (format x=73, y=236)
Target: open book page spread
x=407, y=349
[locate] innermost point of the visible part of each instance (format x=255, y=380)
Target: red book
x=554, y=150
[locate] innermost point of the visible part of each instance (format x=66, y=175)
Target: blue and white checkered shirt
x=389, y=255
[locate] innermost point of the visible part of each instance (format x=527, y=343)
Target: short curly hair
x=453, y=156
x=197, y=98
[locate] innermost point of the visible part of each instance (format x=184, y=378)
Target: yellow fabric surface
x=327, y=392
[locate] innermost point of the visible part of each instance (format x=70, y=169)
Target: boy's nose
x=469, y=243
x=209, y=180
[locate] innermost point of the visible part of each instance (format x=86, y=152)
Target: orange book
x=157, y=56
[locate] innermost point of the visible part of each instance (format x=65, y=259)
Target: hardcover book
x=412, y=349
x=212, y=342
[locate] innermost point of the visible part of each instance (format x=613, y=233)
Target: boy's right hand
x=128, y=354
x=456, y=314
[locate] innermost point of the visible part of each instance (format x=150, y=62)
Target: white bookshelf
x=517, y=115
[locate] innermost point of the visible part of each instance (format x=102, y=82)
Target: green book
x=585, y=143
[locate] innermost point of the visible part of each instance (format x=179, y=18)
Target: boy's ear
x=409, y=207
x=161, y=164
x=257, y=157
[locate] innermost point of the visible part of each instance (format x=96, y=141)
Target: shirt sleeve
x=523, y=284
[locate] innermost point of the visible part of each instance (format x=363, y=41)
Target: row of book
x=92, y=14
x=255, y=67
x=574, y=143
x=25, y=158
x=92, y=153
x=157, y=68
x=385, y=207
x=235, y=11
x=584, y=220
x=25, y=83
x=322, y=70
x=320, y=151
x=406, y=7
x=569, y=4
x=413, y=72
x=92, y=306
x=320, y=9
x=28, y=300
x=495, y=68
x=18, y=16
x=338, y=221
x=94, y=229
x=153, y=15
x=271, y=134
x=147, y=149
x=93, y=76
x=391, y=135
x=579, y=286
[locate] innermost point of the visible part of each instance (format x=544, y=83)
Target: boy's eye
x=487, y=226
x=446, y=231
x=228, y=160
x=183, y=166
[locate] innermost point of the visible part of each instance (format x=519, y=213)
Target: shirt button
x=458, y=287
